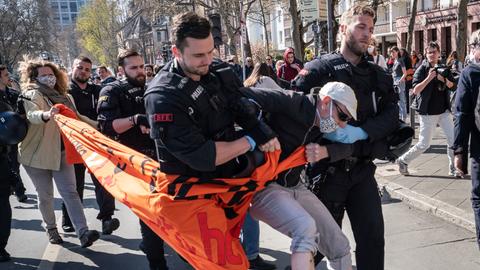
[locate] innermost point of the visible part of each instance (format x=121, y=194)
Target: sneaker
x=68, y=228
x=88, y=238
x=259, y=264
x=4, y=256
x=403, y=168
x=108, y=226
x=21, y=197
x=54, y=237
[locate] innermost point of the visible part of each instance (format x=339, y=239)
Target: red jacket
x=286, y=72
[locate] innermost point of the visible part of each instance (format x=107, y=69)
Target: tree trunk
x=461, y=37
x=296, y=28
x=411, y=25
x=264, y=23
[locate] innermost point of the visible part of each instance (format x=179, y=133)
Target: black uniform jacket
x=377, y=111
x=120, y=99
x=187, y=123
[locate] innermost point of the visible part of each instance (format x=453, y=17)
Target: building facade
x=437, y=21
x=65, y=12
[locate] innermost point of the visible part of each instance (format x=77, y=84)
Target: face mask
x=327, y=125
x=370, y=49
x=49, y=80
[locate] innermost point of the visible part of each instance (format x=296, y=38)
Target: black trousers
x=152, y=245
x=17, y=183
x=105, y=201
x=356, y=191
x=5, y=208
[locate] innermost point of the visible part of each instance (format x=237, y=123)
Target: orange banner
x=199, y=218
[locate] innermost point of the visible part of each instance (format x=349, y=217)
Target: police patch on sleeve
x=162, y=117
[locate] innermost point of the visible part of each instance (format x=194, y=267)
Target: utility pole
x=330, y=18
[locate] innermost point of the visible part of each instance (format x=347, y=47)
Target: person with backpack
x=350, y=185
x=467, y=124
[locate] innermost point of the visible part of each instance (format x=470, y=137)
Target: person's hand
x=270, y=146
x=51, y=113
x=315, y=152
x=141, y=120
x=458, y=162
x=431, y=74
x=295, y=66
x=144, y=129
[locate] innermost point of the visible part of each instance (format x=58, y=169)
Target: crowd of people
x=342, y=107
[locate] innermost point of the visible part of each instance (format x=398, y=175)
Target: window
x=280, y=36
x=279, y=16
x=73, y=7
x=74, y=17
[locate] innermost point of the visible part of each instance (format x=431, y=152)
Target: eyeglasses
x=341, y=114
x=269, y=59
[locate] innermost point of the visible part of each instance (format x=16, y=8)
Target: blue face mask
x=348, y=134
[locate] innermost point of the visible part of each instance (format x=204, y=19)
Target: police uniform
x=86, y=103
x=187, y=117
x=349, y=184
x=10, y=96
x=121, y=99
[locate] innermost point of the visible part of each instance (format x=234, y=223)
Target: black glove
x=141, y=120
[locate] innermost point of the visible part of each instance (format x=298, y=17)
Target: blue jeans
x=475, y=172
x=251, y=237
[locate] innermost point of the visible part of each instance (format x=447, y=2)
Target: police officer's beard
x=354, y=45
x=80, y=80
x=139, y=81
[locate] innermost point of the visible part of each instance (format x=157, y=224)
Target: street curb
x=436, y=207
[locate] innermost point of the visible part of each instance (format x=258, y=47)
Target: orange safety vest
x=199, y=218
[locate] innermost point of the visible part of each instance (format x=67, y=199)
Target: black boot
x=259, y=264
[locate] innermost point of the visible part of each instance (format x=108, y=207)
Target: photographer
x=432, y=102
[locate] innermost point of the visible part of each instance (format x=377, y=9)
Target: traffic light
x=216, y=23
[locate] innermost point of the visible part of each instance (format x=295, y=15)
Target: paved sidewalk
x=429, y=187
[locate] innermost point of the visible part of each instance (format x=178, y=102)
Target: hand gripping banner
x=199, y=218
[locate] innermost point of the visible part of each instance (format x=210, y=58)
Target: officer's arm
x=226, y=151
x=309, y=77
x=275, y=100
x=464, y=116
x=109, y=113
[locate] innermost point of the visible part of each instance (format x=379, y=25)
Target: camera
x=443, y=70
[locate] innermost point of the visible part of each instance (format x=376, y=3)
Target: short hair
x=433, y=45
x=102, y=67
x=355, y=10
x=124, y=54
x=189, y=25
x=395, y=48
x=149, y=65
x=83, y=58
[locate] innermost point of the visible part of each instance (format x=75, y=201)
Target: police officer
x=12, y=130
x=192, y=108
x=10, y=96
x=85, y=96
x=350, y=183
x=121, y=115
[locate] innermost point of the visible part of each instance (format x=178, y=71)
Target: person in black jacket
x=467, y=123
x=287, y=205
x=10, y=96
x=432, y=102
x=85, y=96
x=349, y=184
x=192, y=107
x=121, y=116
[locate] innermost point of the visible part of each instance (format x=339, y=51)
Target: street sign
x=309, y=10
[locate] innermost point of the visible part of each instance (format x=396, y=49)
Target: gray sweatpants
x=299, y=214
x=66, y=186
